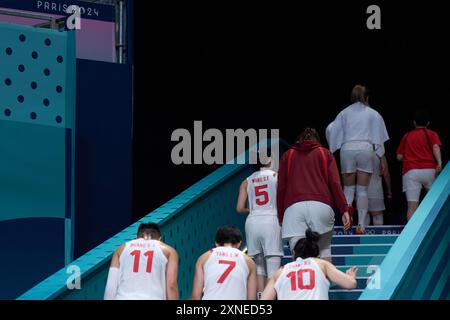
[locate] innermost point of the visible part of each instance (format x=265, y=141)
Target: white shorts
x=376, y=205
x=356, y=160
x=263, y=235
x=307, y=214
x=414, y=180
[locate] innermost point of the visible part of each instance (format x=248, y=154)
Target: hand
x=389, y=194
x=352, y=272
x=438, y=168
x=346, y=221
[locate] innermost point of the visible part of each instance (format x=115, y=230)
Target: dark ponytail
x=309, y=133
x=307, y=247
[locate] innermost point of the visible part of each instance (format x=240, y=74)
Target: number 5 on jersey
x=262, y=196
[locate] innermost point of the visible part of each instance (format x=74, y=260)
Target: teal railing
x=418, y=264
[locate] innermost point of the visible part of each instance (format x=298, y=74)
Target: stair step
x=364, y=239
x=361, y=284
x=348, y=260
x=360, y=249
x=344, y=294
x=360, y=259
x=371, y=230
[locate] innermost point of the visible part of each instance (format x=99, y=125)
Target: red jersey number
x=231, y=265
x=262, y=196
x=137, y=258
x=298, y=279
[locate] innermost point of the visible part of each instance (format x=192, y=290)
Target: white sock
x=367, y=221
x=362, y=204
x=378, y=220
x=349, y=192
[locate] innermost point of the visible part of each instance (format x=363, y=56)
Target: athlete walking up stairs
x=366, y=252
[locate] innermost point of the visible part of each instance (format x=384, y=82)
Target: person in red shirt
x=308, y=187
x=420, y=152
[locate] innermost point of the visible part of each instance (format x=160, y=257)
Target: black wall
x=267, y=67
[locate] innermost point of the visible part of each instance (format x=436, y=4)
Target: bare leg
x=377, y=217
x=412, y=207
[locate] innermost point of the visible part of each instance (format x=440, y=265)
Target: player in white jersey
x=143, y=269
x=376, y=193
x=360, y=132
x=308, y=277
x=263, y=231
x=225, y=272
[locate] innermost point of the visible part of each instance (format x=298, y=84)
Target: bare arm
x=387, y=177
x=197, y=288
x=437, y=156
x=172, y=275
x=344, y=280
x=269, y=292
x=251, y=281
x=242, y=199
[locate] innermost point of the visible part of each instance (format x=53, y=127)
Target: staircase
x=366, y=252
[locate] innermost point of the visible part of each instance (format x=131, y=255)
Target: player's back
x=225, y=275
x=262, y=192
x=142, y=271
x=302, y=279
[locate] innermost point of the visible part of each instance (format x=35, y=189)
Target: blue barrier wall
x=188, y=222
x=37, y=124
x=418, y=265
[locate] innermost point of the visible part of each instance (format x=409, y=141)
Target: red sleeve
x=434, y=138
x=401, y=147
x=335, y=186
x=281, y=187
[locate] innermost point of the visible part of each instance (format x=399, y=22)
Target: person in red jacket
x=308, y=187
x=420, y=152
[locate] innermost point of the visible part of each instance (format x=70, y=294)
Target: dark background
x=286, y=67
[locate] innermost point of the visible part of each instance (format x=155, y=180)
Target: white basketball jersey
x=302, y=279
x=262, y=193
x=142, y=271
x=225, y=275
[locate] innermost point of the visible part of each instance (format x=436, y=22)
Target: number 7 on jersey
x=231, y=265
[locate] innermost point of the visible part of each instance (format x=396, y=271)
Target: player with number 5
x=263, y=232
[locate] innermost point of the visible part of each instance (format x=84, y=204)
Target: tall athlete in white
x=308, y=277
x=225, y=272
x=143, y=269
x=263, y=231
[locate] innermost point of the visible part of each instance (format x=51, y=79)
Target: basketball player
x=144, y=268
x=307, y=278
x=375, y=191
x=358, y=131
x=225, y=272
x=263, y=232
x=420, y=152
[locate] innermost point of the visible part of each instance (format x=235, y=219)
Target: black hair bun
x=312, y=236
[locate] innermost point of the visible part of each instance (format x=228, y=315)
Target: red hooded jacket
x=308, y=172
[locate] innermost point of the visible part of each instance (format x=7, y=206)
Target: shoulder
x=120, y=249
x=168, y=250
x=204, y=257
x=250, y=263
